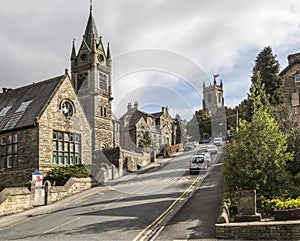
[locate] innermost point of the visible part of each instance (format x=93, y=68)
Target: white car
x=207, y=157
x=218, y=141
x=212, y=149
x=198, y=164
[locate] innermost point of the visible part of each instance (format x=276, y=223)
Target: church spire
x=108, y=54
x=73, y=53
x=91, y=32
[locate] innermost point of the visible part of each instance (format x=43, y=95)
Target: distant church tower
x=213, y=97
x=91, y=70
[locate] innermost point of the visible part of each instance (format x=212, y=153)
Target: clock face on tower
x=83, y=57
x=100, y=57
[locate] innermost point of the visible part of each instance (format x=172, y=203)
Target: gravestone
x=247, y=207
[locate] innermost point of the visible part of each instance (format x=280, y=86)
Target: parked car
x=212, y=149
x=189, y=146
x=206, y=141
x=218, y=141
x=198, y=164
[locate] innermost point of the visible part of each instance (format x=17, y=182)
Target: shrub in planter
x=59, y=176
x=287, y=209
x=280, y=208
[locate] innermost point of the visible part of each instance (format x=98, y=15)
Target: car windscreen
x=197, y=160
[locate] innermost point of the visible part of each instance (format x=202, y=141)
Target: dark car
x=189, y=147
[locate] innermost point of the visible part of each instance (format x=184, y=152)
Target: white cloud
x=217, y=36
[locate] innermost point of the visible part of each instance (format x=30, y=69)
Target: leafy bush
x=266, y=206
x=59, y=176
x=288, y=203
x=297, y=179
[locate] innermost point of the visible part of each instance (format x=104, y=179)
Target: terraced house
x=291, y=77
x=152, y=131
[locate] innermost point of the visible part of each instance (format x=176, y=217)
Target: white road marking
x=59, y=226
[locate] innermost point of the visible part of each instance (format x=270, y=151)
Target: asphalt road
x=122, y=210
x=196, y=219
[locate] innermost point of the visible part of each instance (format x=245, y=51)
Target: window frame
x=9, y=151
x=297, y=78
x=66, y=148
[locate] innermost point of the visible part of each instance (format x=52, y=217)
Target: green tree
x=293, y=141
x=268, y=66
x=178, y=124
x=258, y=98
x=145, y=139
x=257, y=157
x=199, y=126
x=244, y=110
x=231, y=119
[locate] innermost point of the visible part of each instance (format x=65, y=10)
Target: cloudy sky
x=162, y=50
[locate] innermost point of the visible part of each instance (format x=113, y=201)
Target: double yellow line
x=149, y=231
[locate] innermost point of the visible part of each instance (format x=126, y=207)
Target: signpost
x=39, y=191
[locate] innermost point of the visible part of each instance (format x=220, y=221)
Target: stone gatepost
x=247, y=207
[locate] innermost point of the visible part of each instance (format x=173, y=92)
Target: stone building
x=213, y=97
x=291, y=80
x=213, y=104
x=42, y=126
x=67, y=121
x=91, y=69
x=147, y=131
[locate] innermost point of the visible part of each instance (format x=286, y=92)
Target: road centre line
x=59, y=226
x=144, y=234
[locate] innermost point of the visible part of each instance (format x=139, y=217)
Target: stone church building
x=213, y=105
x=42, y=126
x=213, y=97
x=66, y=120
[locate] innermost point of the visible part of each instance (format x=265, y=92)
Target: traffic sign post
x=39, y=191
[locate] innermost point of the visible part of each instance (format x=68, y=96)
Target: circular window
x=83, y=57
x=67, y=109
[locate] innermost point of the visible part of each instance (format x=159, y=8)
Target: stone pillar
x=247, y=207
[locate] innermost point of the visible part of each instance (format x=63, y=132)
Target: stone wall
x=131, y=160
x=14, y=200
x=18, y=199
x=275, y=230
x=73, y=186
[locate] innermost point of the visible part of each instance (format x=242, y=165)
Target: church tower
x=91, y=70
x=213, y=97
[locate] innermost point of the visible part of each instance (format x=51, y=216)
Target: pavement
x=12, y=219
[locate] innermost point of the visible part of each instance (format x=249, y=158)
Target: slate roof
x=20, y=108
x=157, y=114
x=296, y=61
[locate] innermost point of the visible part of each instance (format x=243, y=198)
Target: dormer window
x=4, y=111
x=23, y=106
x=297, y=78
